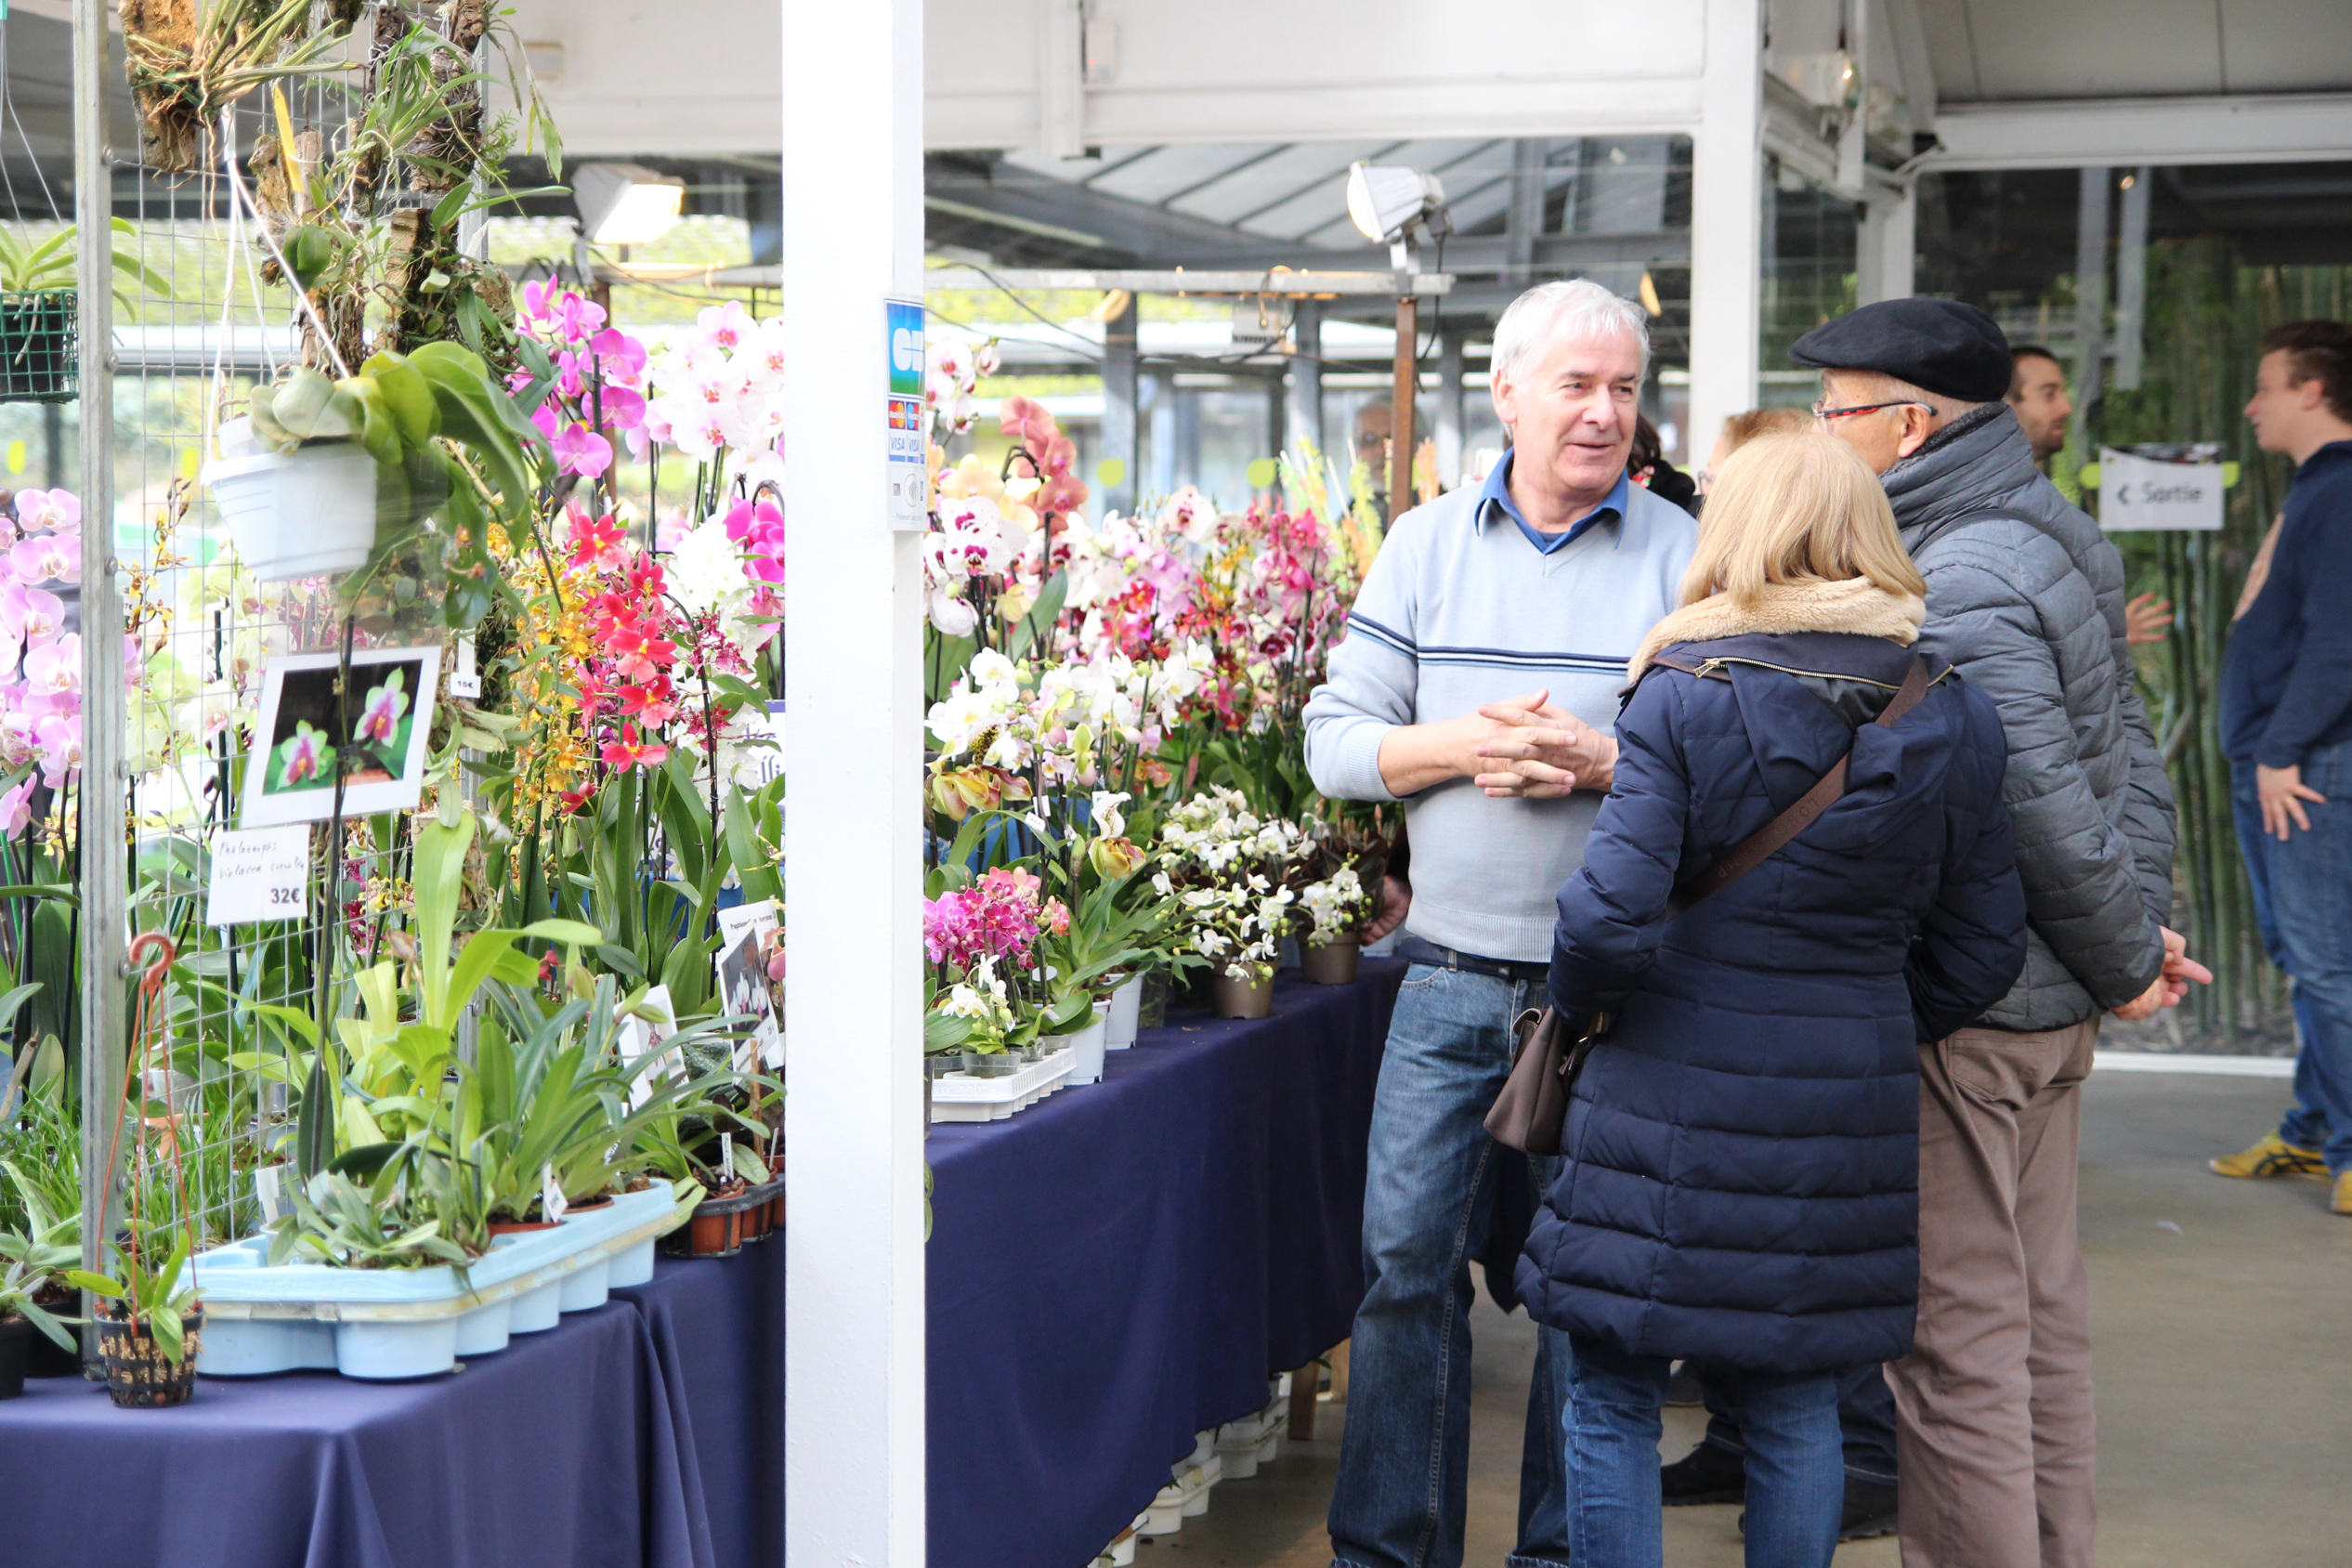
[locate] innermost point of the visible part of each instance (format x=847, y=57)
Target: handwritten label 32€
x=260, y=874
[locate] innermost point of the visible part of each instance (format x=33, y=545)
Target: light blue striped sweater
x=1456, y=612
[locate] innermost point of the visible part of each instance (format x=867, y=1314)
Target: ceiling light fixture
x=625, y=204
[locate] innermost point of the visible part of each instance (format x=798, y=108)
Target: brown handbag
x=1531, y=1114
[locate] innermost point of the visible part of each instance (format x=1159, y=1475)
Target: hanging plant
x=185, y=71
x=39, y=309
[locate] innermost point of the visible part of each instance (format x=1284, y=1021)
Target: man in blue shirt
x=1477, y=684
x=2286, y=726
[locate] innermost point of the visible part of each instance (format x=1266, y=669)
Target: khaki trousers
x=1996, y=1438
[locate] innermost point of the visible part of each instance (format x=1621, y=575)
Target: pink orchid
x=54, y=669
x=623, y=409
x=619, y=356
x=46, y=557
x=546, y=417
x=535, y=298
x=728, y=324
x=16, y=808
x=60, y=739
x=577, y=319
x=580, y=451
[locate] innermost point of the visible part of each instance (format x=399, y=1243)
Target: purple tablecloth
x=648, y=1433
x=1124, y=1264
x=1110, y=1272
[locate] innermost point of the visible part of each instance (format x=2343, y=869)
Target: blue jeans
x=1865, y=1417
x=2303, y=903
x=1795, y=1477
x=1404, y=1477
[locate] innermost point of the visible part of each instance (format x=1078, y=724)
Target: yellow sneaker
x=2340, y=1201
x=2274, y=1156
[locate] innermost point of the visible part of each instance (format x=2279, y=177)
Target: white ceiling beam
x=960, y=118
x=2285, y=128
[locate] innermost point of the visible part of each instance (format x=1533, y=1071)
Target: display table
x=1122, y=1265
x=1110, y=1272
x=648, y=1433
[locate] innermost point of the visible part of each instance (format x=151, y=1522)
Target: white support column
x=854, y=1465
x=1885, y=249
x=1726, y=172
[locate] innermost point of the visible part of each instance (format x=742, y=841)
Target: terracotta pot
x=775, y=1209
x=1331, y=964
x=1229, y=998
x=516, y=1227
x=139, y=1377
x=16, y=1334
x=716, y=1228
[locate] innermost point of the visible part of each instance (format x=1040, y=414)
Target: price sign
x=463, y=680
x=260, y=874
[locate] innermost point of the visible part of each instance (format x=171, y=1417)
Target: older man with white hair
x=1477, y=684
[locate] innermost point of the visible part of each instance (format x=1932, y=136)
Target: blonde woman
x=1740, y=1170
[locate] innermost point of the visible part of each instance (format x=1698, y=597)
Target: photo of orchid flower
x=374, y=743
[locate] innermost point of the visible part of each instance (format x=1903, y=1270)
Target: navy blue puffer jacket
x=1742, y=1171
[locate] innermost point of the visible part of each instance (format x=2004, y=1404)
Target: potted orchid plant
x=1334, y=909
x=981, y=936
x=1234, y=876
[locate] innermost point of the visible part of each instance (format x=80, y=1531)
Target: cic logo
x=905, y=324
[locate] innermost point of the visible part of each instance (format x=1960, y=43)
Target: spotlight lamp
x=1389, y=202
x=625, y=204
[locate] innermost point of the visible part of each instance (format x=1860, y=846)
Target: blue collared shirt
x=1496, y=492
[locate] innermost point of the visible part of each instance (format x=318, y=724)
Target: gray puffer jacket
x=2025, y=597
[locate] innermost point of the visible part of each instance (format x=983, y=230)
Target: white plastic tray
x=961, y=1097
x=412, y=1323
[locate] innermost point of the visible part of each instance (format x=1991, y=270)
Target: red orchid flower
x=629, y=751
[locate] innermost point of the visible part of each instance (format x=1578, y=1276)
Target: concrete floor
x=2224, y=1408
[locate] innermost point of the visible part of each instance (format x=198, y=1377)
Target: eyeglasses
x=1823, y=413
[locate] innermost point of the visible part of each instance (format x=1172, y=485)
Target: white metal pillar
x=1886, y=248
x=105, y=873
x=854, y=1464
x=1727, y=170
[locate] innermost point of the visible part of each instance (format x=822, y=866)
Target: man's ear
x=1918, y=424
x=1506, y=401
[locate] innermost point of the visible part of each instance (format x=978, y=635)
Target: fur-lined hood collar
x=1856, y=605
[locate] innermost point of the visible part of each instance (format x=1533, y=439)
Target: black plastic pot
x=16, y=1334
x=138, y=1376
x=48, y=1358
x=39, y=353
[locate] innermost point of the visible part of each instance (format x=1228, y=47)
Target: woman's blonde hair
x=1794, y=509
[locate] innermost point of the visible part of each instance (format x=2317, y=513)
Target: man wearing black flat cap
x=2025, y=597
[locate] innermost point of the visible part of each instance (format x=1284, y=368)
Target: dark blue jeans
x=1404, y=1479
x=1865, y=1419
x=1795, y=1490
x=2303, y=903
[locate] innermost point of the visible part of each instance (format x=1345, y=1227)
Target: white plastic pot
x=1086, y=1052
x=307, y=513
x=1127, y=1003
